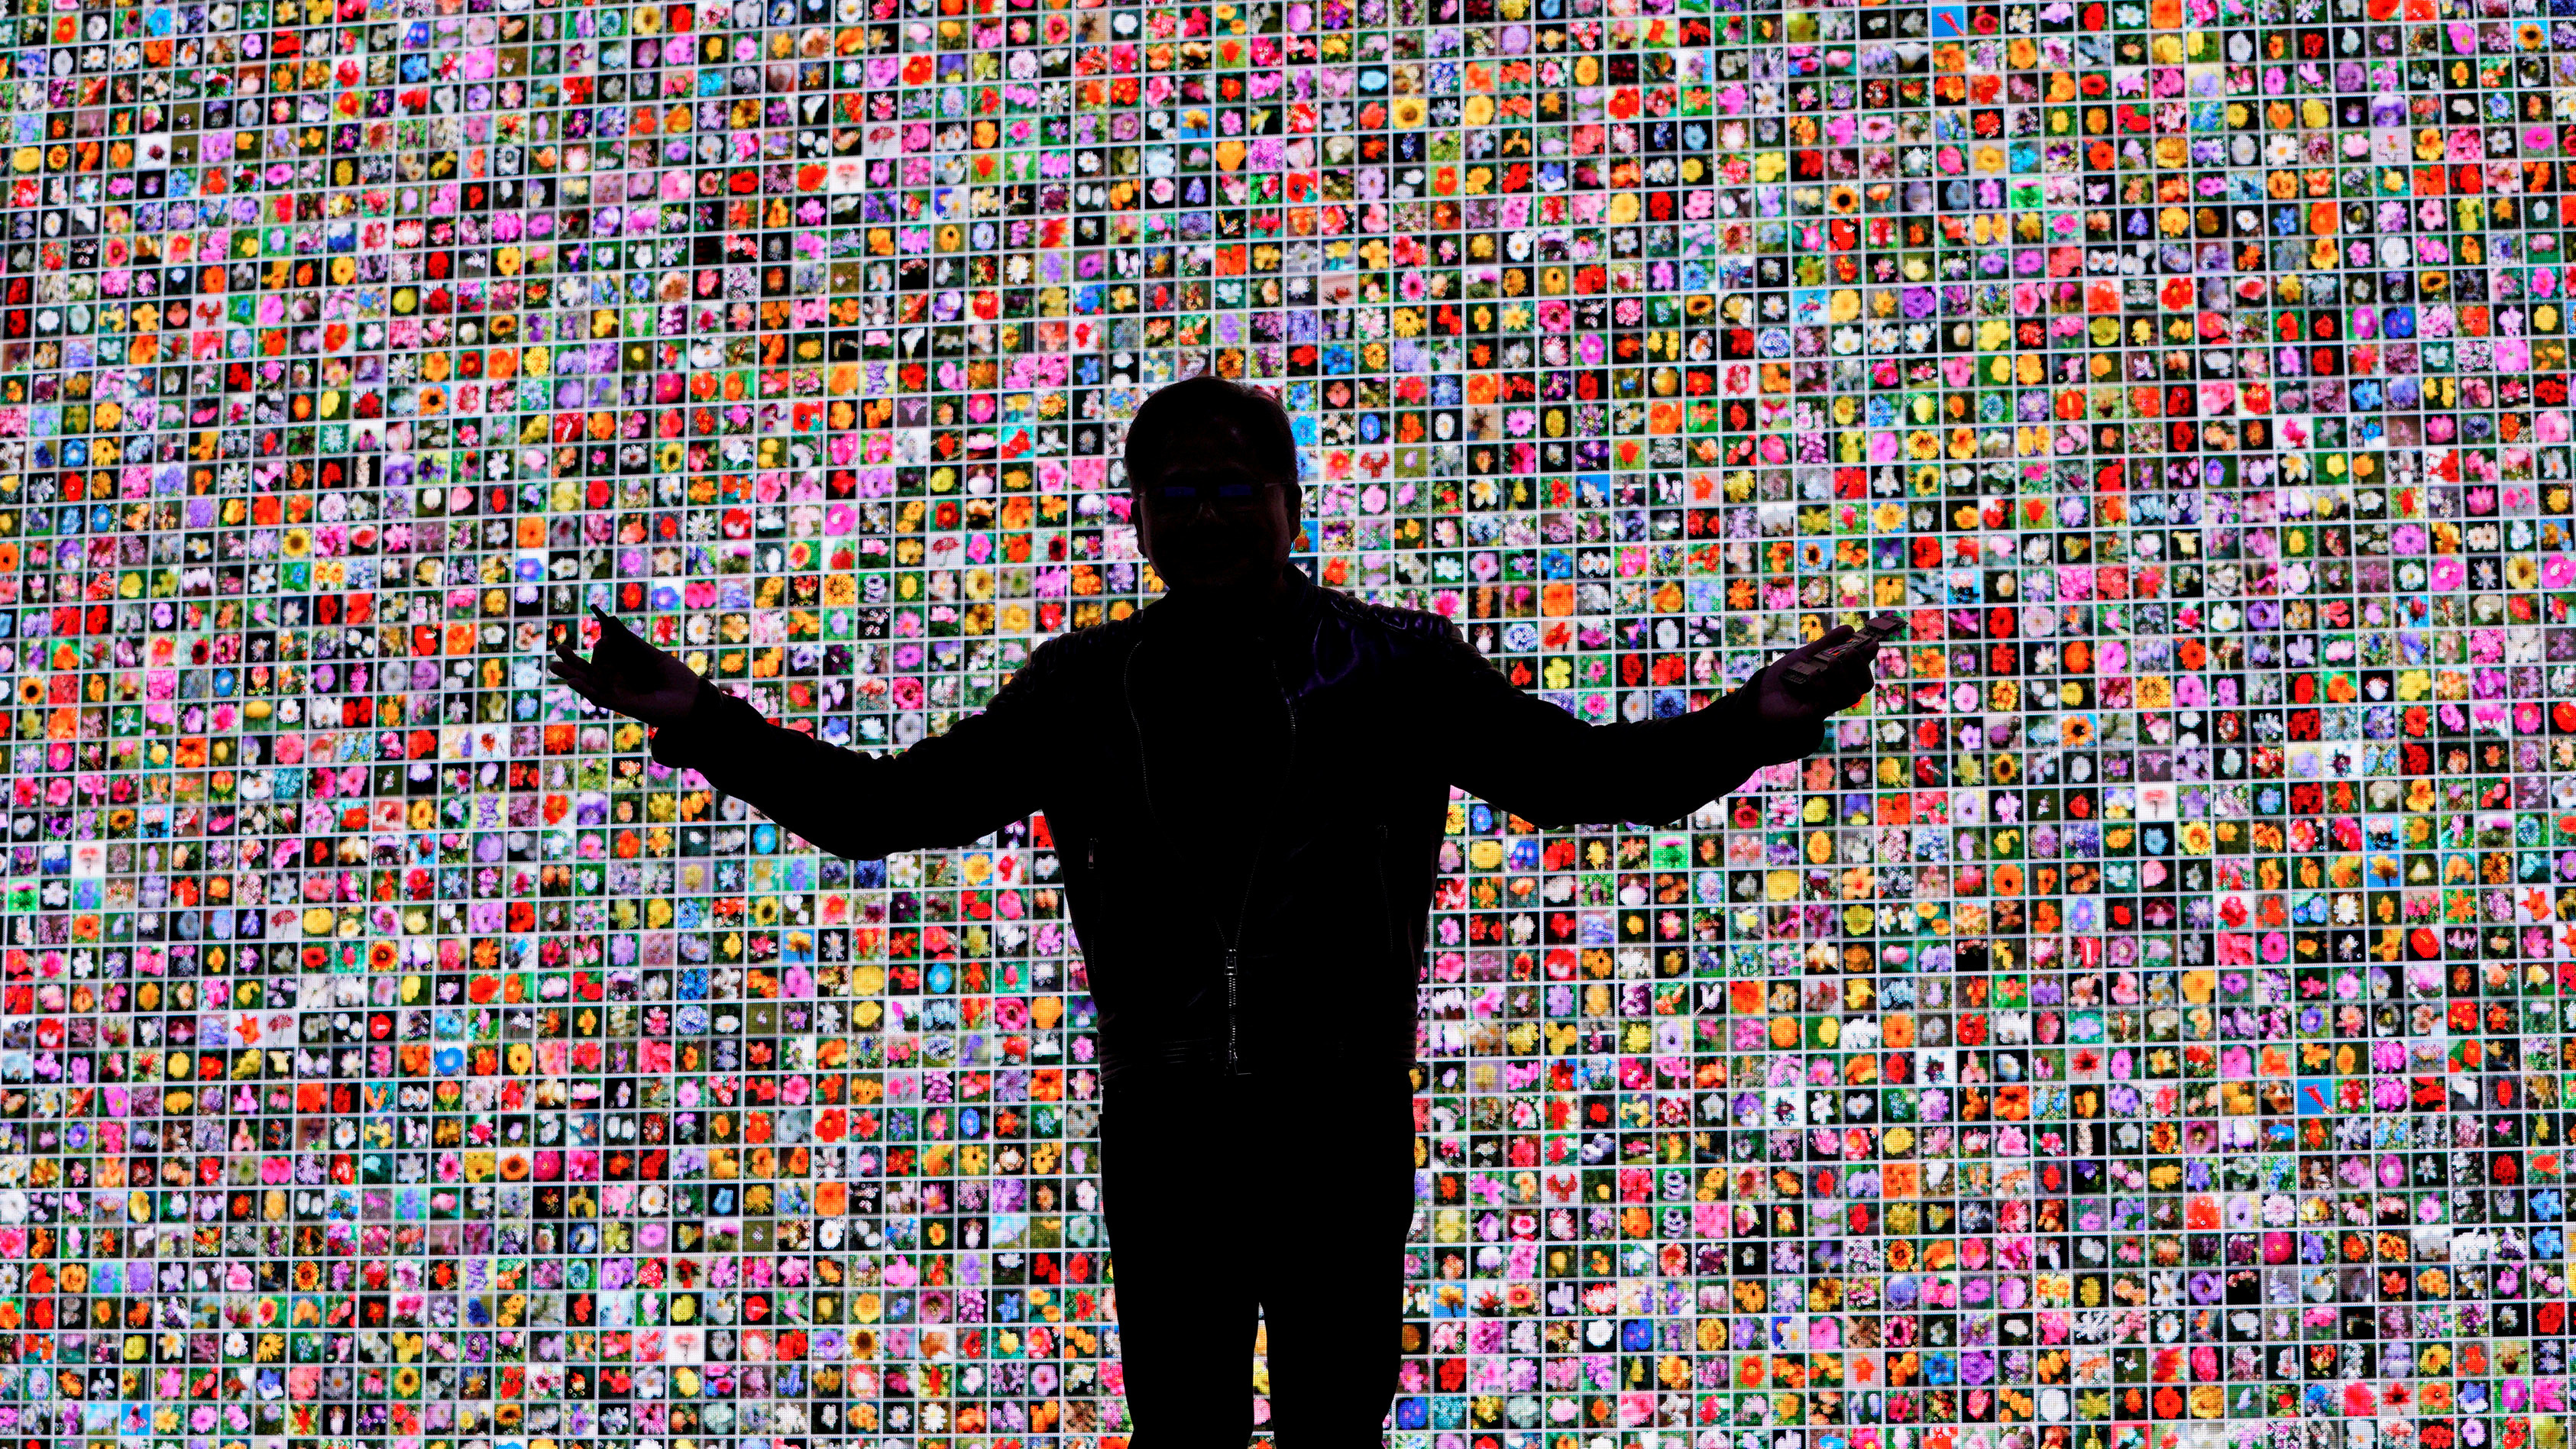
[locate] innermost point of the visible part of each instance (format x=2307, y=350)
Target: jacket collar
x=1177, y=613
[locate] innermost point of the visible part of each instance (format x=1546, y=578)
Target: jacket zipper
x=1233, y=940
x=1233, y=1012
x=1244, y=908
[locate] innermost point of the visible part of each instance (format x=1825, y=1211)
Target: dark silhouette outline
x=1238, y=1059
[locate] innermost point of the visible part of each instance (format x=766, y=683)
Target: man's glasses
x=1183, y=497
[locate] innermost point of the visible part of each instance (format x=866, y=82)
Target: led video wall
x=2138, y=1028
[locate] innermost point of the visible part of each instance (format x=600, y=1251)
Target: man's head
x=1212, y=468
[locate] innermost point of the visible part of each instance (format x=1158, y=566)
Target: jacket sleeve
x=1544, y=765
x=947, y=790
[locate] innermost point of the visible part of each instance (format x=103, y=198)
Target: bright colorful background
x=2140, y=1027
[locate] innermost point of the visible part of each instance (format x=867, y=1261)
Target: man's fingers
x=579, y=681
x=1859, y=668
x=574, y=681
x=1860, y=675
x=612, y=627
x=1855, y=676
x=622, y=651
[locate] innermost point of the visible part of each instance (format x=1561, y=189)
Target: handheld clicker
x=1805, y=674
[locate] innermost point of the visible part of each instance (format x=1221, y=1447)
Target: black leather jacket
x=1387, y=709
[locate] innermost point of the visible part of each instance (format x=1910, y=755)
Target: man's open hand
x=625, y=674
x=1843, y=685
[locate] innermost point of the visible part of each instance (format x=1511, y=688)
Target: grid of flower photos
x=2139, y=1028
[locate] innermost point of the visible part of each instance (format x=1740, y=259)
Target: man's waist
x=1136, y=1055
x=1316, y=944
x=1195, y=1055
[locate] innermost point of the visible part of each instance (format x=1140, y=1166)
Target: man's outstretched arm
x=949, y=789
x=1544, y=765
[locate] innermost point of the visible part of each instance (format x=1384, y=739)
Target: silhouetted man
x=1248, y=781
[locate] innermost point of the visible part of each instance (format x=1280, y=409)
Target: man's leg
x=1336, y=1205
x=1171, y=1193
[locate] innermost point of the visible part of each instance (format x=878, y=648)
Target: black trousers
x=1277, y=1197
